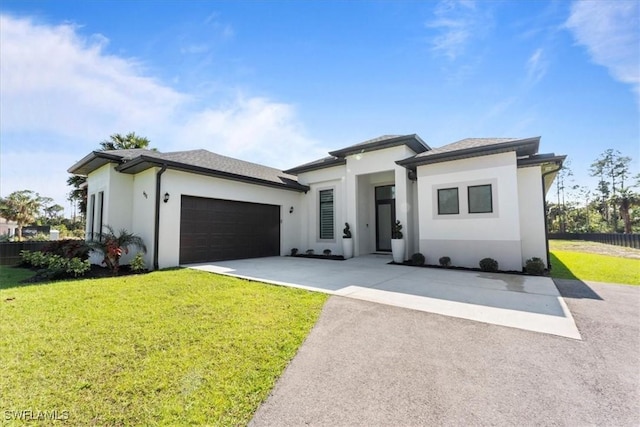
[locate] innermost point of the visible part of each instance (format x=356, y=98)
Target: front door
x=385, y=216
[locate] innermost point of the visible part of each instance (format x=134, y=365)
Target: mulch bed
x=318, y=256
x=410, y=264
x=96, y=272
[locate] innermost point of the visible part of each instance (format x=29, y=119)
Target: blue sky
x=282, y=83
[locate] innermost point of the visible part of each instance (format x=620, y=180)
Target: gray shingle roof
x=473, y=147
x=322, y=163
x=413, y=141
x=195, y=161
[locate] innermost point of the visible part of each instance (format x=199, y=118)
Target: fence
x=618, y=239
x=10, y=251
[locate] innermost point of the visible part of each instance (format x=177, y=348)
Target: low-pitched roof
x=413, y=141
x=338, y=157
x=473, y=147
x=202, y=162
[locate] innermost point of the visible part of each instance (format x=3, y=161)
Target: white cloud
x=457, y=21
x=609, y=31
x=536, y=66
x=61, y=93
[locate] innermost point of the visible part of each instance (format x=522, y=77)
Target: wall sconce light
x=144, y=193
x=166, y=197
x=291, y=209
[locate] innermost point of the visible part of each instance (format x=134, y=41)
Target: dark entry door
x=385, y=216
x=217, y=230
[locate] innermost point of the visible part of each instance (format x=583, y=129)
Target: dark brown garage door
x=217, y=230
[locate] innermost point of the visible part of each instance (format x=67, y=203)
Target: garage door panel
x=216, y=230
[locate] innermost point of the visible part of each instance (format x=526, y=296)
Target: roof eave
x=143, y=162
x=85, y=166
x=531, y=144
x=415, y=143
x=309, y=168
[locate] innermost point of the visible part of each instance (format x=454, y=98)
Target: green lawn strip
x=167, y=348
x=11, y=276
x=598, y=268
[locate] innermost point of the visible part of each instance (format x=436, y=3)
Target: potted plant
x=397, y=243
x=347, y=242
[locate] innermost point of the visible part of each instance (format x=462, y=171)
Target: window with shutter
x=326, y=214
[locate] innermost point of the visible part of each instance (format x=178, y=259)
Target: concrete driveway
x=523, y=302
x=367, y=364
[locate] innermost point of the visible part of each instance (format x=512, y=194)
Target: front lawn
x=11, y=276
x=595, y=267
x=174, y=347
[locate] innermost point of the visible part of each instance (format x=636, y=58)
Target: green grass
x=11, y=276
x=174, y=347
x=594, y=267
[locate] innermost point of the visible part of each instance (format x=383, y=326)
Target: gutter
x=544, y=213
x=156, y=232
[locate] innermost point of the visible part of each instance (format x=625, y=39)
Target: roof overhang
x=412, y=141
x=550, y=165
x=522, y=147
x=317, y=165
x=93, y=161
x=143, y=162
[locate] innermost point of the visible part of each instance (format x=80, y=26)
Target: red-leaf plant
x=113, y=246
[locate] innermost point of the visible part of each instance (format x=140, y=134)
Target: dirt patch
x=594, y=248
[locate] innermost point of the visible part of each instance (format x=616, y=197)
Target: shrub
x=327, y=252
x=445, y=261
x=396, y=230
x=113, y=247
x=534, y=266
x=489, y=264
x=417, y=259
x=52, y=266
x=347, y=231
x=137, y=263
x=68, y=249
x=310, y=251
x=294, y=251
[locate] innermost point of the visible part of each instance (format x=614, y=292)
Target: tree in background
x=127, y=142
x=613, y=169
x=22, y=207
x=115, y=142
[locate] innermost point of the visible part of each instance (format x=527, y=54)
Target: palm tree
x=115, y=142
x=625, y=200
x=113, y=247
x=127, y=142
x=21, y=207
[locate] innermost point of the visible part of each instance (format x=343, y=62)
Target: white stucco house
x=475, y=198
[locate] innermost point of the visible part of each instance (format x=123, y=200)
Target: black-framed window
x=480, y=198
x=92, y=216
x=448, y=203
x=100, y=213
x=326, y=214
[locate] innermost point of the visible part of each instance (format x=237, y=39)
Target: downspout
x=544, y=213
x=156, y=234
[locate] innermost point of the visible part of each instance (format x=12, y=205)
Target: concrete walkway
x=523, y=302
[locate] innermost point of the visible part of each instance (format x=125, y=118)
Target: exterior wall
x=329, y=178
x=117, y=207
x=178, y=183
x=532, y=213
x=143, y=203
x=466, y=238
x=354, y=185
x=374, y=162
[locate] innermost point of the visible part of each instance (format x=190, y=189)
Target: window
x=100, y=213
x=91, y=216
x=480, y=200
x=326, y=214
x=448, y=201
